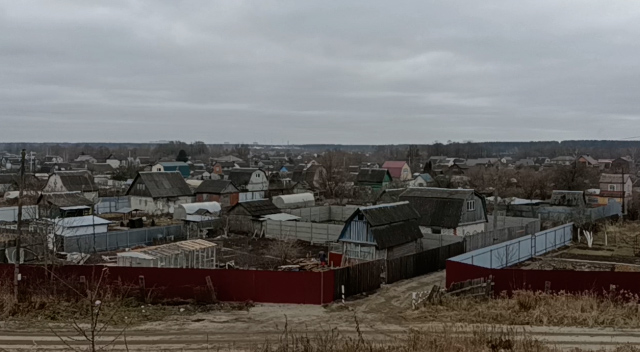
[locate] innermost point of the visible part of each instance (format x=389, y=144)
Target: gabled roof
x=372, y=175
x=100, y=168
x=439, y=207
x=216, y=187
x=241, y=176
x=614, y=178
x=394, y=167
x=163, y=184
x=74, y=181
x=384, y=214
x=64, y=199
x=589, y=159
x=391, y=224
x=258, y=208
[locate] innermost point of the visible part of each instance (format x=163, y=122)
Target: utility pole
x=16, y=272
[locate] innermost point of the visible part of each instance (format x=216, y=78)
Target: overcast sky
x=369, y=72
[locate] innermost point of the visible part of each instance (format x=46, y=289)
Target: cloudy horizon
x=349, y=72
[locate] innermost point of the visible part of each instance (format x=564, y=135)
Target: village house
x=615, y=187
x=384, y=231
x=219, y=167
x=221, y=191
x=457, y=212
x=563, y=160
x=179, y=166
x=159, y=192
x=252, y=183
x=588, y=161
x=279, y=185
x=377, y=179
x=312, y=178
x=399, y=170
x=64, y=205
x=72, y=181
x=86, y=159
x=622, y=165
x=423, y=180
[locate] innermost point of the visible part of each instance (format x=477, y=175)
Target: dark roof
x=216, y=187
x=64, y=199
x=100, y=168
x=439, y=207
x=164, y=184
x=241, y=176
x=437, y=212
x=384, y=214
x=6, y=179
x=372, y=175
x=258, y=208
x=391, y=224
x=433, y=192
x=390, y=195
x=395, y=234
x=568, y=198
x=74, y=181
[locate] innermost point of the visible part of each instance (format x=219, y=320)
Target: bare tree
x=284, y=248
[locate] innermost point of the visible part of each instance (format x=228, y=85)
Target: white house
x=252, y=183
x=72, y=181
x=75, y=228
x=159, y=192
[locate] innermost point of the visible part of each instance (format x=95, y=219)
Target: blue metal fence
x=515, y=251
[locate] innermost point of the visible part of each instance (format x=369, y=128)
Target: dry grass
x=538, y=308
x=447, y=339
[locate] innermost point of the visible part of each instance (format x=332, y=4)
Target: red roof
x=394, y=167
x=611, y=194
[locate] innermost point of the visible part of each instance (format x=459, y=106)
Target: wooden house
x=252, y=183
x=399, y=170
x=72, y=181
x=159, y=192
x=377, y=179
x=381, y=232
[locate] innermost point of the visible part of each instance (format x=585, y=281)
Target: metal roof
x=281, y=217
x=81, y=221
x=216, y=187
x=164, y=184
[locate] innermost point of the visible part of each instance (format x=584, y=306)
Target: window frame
x=471, y=205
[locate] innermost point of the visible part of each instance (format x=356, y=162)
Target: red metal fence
x=507, y=280
x=168, y=283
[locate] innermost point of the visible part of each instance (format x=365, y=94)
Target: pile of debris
x=304, y=264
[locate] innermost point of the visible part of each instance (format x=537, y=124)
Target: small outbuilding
x=299, y=200
x=197, y=211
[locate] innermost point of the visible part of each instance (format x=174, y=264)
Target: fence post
x=311, y=238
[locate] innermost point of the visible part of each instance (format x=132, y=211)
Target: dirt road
x=381, y=317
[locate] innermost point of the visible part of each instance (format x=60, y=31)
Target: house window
x=612, y=187
x=471, y=205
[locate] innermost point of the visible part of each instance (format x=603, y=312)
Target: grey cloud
x=318, y=72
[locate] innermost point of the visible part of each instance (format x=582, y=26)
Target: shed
x=381, y=232
x=294, y=201
x=568, y=198
x=255, y=208
x=196, y=254
x=183, y=211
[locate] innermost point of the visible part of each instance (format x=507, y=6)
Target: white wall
x=470, y=229
x=258, y=182
x=114, y=163
x=79, y=231
x=160, y=205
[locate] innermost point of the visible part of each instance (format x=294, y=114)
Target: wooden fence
x=359, y=278
x=368, y=276
x=421, y=263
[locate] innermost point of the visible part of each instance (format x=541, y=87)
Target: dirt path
x=380, y=317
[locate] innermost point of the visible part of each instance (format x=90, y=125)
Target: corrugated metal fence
x=110, y=204
x=488, y=238
x=10, y=214
x=323, y=213
x=304, y=231
x=515, y=251
x=118, y=239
